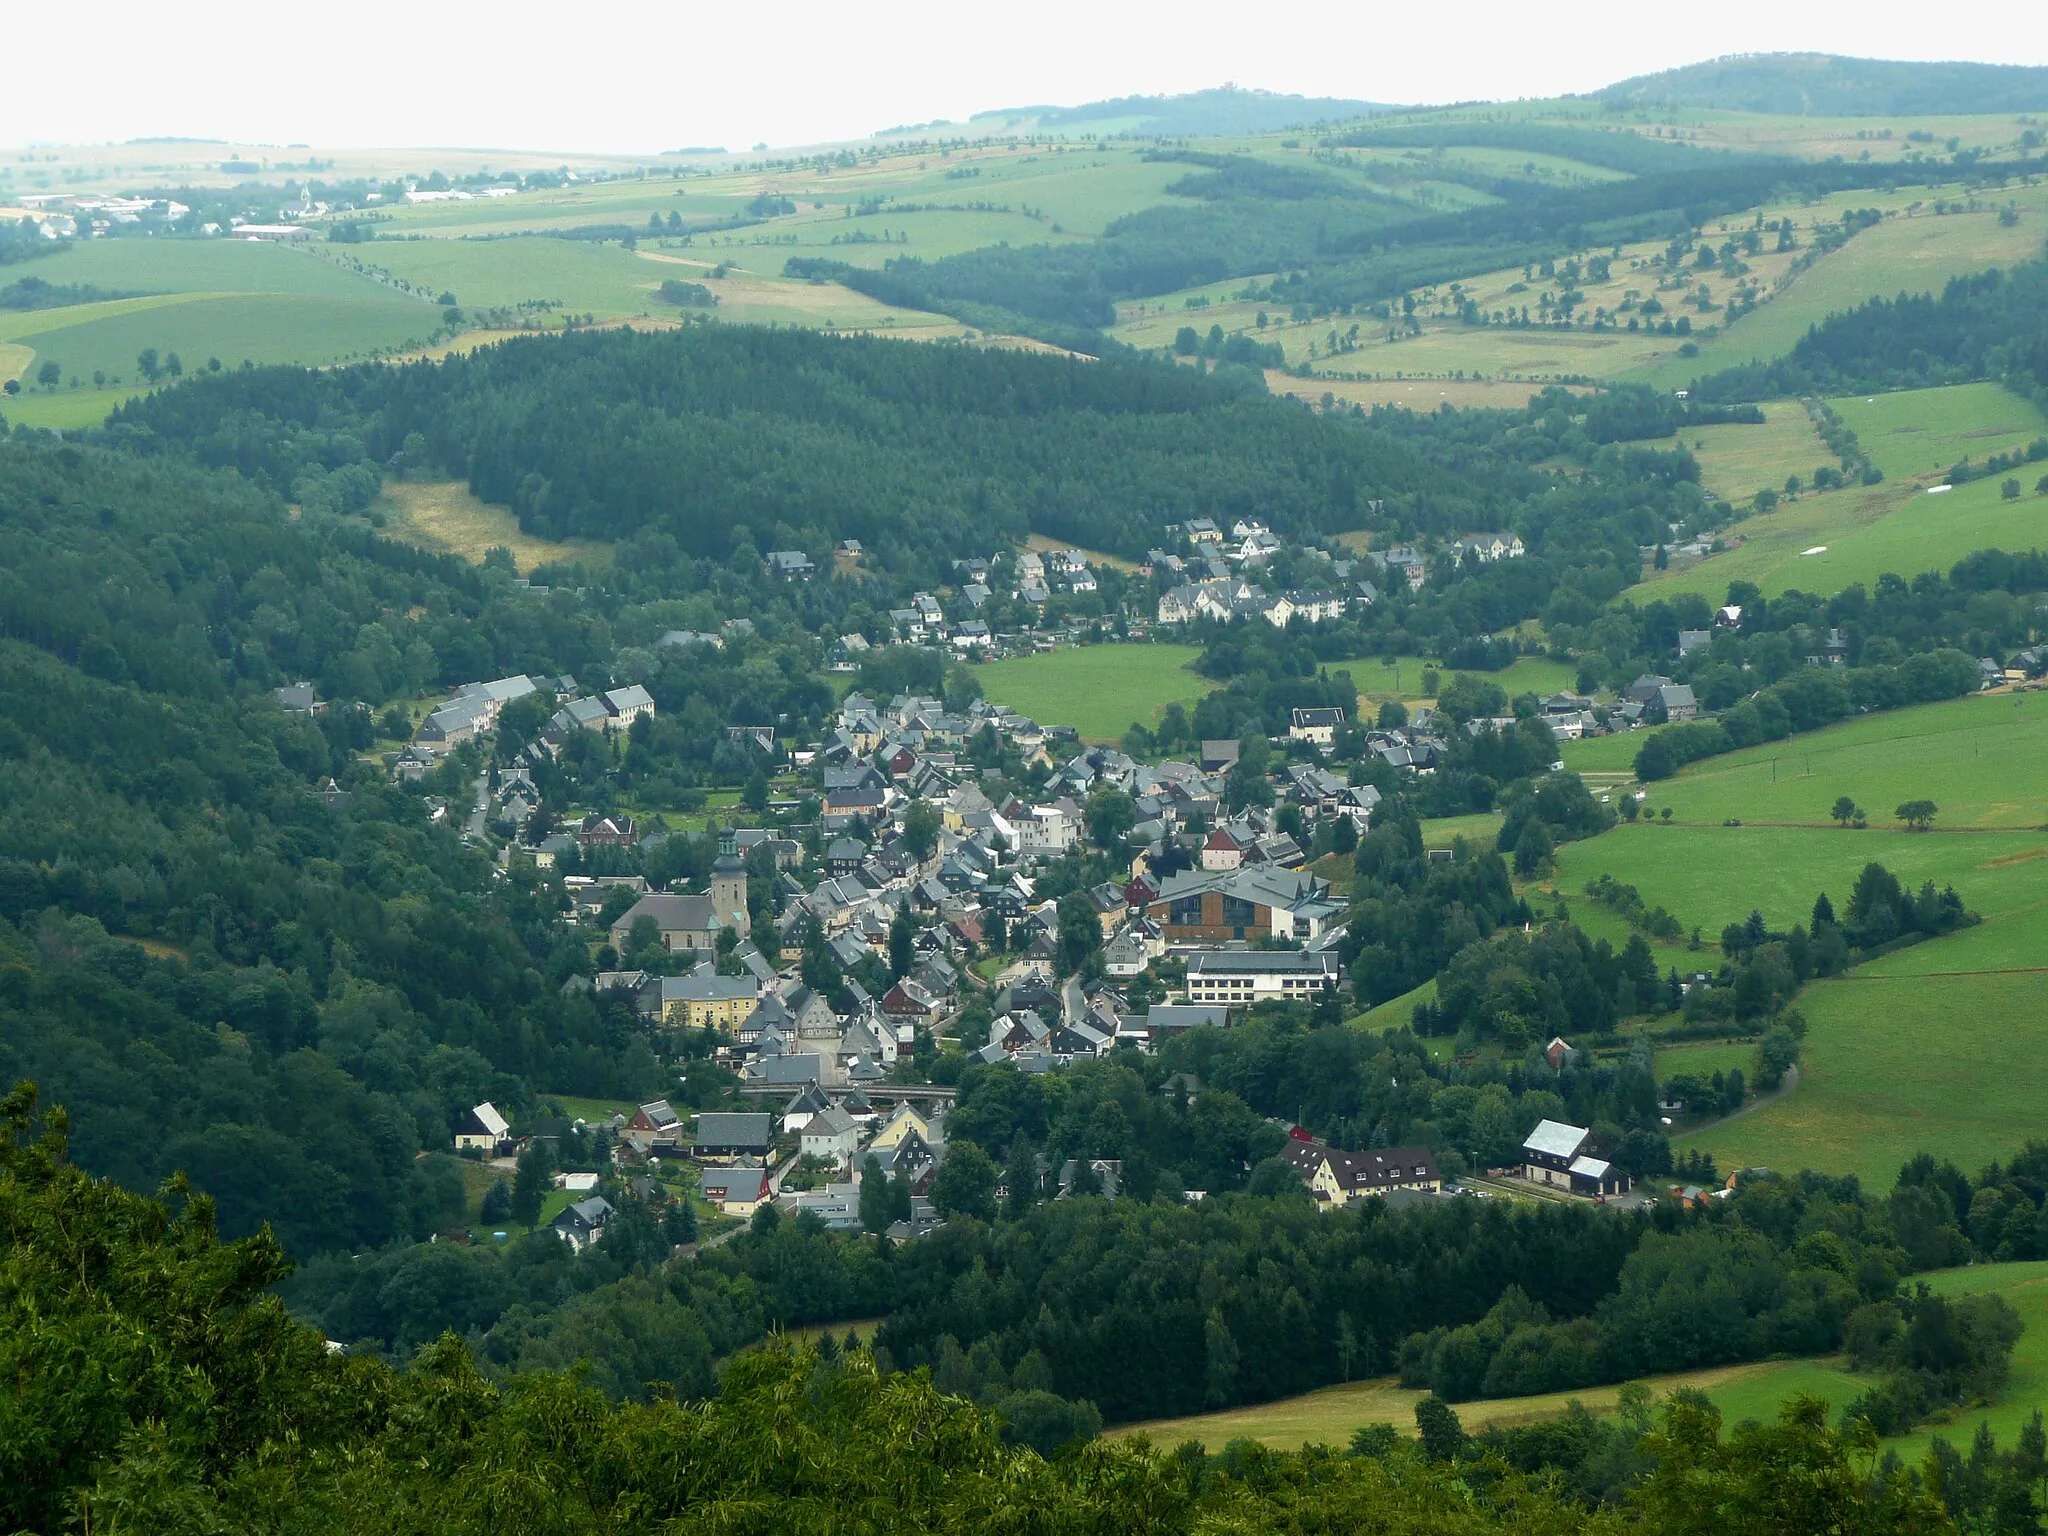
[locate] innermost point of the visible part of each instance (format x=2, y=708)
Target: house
x=1317, y=725
x=299, y=699
x=654, y=1122
x=1690, y=640
x=1561, y=1157
x=625, y=705
x=724, y=1136
x=1489, y=547
x=831, y=1136
x=1241, y=978
x=1164, y=1020
x=1337, y=1177
x=1222, y=852
x=581, y=715
x=739, y=1190
x=582, y=1222
x=790, y=565
x=1679, y=703
x=1218, y=756
x=809, y=1102
x=908, y=999
x=706, y=1001
x=682, y=922
x=907, y=1120
x=484, y=1130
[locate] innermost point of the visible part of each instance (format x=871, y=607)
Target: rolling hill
x=1831, y=85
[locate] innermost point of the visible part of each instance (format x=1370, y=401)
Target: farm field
x=1097, y=689
x=1914, y=249
x=1410, y=394
x=1606, y=754
x=1932, y=1045
x=1857, y=535
x=443, y=515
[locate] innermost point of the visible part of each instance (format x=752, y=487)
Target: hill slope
x=1829, y=85
x=1220, y=110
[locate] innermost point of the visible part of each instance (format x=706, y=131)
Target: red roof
x=1221, y=840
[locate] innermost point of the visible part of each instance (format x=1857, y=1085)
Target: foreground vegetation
x=220, y=1412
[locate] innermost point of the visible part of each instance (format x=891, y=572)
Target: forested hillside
x=734, y=441
x=1990, y=326
x=1829, y=85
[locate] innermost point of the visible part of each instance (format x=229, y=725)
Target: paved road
x=474, y=827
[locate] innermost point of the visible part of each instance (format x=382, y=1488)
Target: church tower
x=729, y=887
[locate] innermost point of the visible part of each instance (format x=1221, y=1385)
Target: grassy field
x=1395, y=1013
x=1379, y=678
x=1331, y=1415
x=1098, y=689
x=1824, y=543
x=1979, y=757
x=1924, y=431
x=1936, y=1046
x=1737, y=461
x=443, y=515
x=1894, y=1066
x=1479, y=829
x=1755, y=1391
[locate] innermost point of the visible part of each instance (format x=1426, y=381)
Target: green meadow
x=1823, y=543
x=1925, y=431
x=1098, y=689
x=1938, y=1045
x=1895, y=1066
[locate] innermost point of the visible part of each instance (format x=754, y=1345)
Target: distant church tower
x=729, y=886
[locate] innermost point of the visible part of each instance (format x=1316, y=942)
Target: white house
x=831, y=1136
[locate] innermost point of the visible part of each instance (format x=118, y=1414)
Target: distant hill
x=1222, y=110
x=1829, y=85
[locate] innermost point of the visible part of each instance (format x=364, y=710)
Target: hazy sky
x=636, y=76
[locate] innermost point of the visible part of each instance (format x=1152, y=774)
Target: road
x=474, y=827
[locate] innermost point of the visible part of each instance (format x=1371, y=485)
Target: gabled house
x=484, y=1130
x=582, y=1222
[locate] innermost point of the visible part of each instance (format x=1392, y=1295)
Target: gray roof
x=1556, y=1139
x=734, y=1130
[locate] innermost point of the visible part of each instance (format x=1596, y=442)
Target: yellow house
x=699, y=1002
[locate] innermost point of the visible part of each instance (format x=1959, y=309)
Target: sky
x=638, y=77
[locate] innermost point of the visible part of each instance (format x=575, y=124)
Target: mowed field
x=1824, y=542
x=1098, y=689
x=1942, y=1046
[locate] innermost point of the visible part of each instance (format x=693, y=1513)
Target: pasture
x=1827, y=542
x=1098, y=689
x=442, y=515
x=1917, y=432
x=1738, y=460
x=1894, y=1066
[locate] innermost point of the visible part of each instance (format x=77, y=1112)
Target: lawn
x=1100, y=690
x=443, y=515
x=1479, y=829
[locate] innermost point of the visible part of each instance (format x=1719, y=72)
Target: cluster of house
x=472, y=712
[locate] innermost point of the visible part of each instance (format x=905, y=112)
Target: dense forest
x=733, y=441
